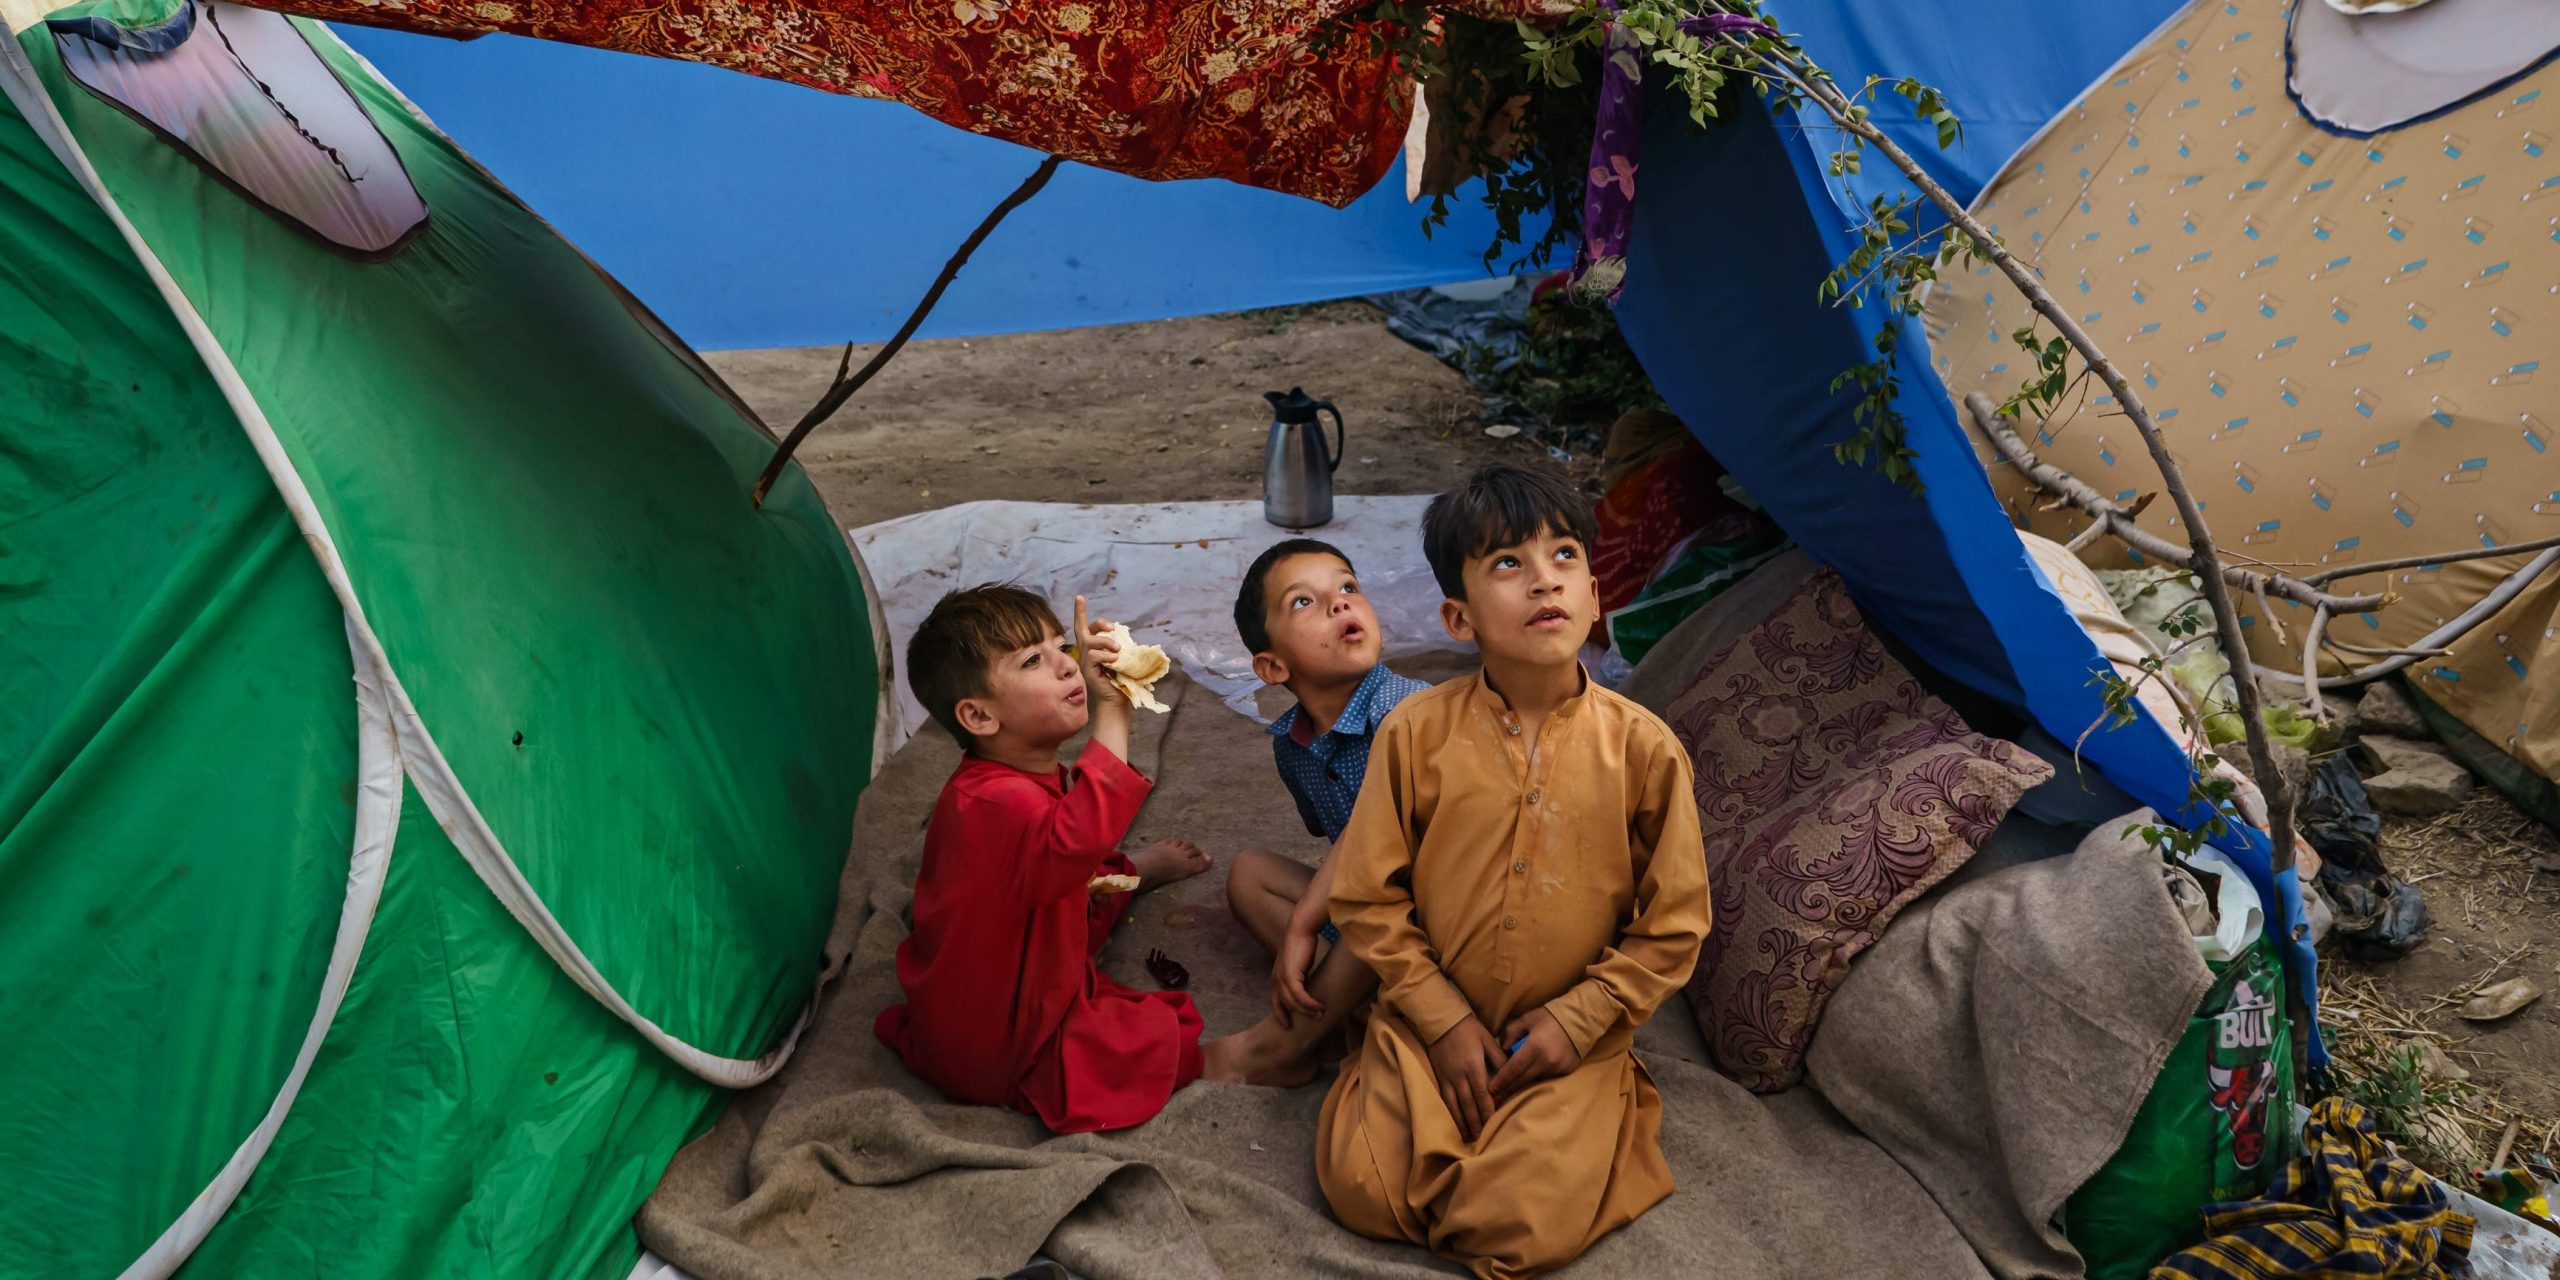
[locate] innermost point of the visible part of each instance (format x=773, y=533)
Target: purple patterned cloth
x=1617, y=141
x=1726, y=24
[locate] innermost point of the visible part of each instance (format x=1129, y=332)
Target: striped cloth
x=2348, y=1206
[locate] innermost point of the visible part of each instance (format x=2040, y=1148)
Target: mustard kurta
x=1477, y=880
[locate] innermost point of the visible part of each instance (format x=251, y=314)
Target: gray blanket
x=1982, y=1059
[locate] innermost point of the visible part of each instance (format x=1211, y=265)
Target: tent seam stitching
x=427, y=767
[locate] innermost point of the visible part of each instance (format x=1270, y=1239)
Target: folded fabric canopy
x=1252, y=91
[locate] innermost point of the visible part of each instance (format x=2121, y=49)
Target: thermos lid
x=1292, y=405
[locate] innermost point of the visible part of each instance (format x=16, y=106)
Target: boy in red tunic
x=1004, y=1005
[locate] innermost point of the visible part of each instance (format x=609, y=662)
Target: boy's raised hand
x=1464, y=1060
x=1544, y=1051
x=1095, y=650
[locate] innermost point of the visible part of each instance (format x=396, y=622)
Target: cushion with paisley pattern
x=1833, y=790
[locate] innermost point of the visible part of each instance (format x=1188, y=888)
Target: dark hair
x=951, y=655
x=1501, y=504
x=1253, y=613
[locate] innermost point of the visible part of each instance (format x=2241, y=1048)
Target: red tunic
x=1004, y=1006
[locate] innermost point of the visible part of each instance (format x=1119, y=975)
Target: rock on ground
x=2387, y=710
x=2417, y=778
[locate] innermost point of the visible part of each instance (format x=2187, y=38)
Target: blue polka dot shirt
x=1323, y=772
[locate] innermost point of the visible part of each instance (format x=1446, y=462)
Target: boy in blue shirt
x=1300, y=611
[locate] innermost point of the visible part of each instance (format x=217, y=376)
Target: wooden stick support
x=843, y=387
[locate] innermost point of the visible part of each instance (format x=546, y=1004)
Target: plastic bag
x=2205, y=676
x=2338, y=819
x=2211, y=1128
x=2379, y=916
x=1695, y=575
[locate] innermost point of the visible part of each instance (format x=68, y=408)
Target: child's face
x=1322, y=627
x=1036, y=695
x=1532, y=603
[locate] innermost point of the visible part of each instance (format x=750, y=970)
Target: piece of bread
x=1112, y=884
x=1137, y=668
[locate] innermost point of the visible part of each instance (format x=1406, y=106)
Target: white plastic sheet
x=1169, y=570
x=653, y=1267
x=2505, y=1246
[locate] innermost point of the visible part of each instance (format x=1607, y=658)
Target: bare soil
x=2491, y=877
x=1159, y=412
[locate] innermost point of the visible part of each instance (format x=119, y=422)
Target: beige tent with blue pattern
x=2328, y=243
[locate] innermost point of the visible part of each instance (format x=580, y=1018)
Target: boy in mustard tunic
x=1523, y=872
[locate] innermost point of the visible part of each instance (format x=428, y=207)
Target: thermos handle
x=1333, y=461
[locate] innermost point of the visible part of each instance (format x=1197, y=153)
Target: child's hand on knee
x=1539, y=1050
x=1464, y=1060
x=1289, y=996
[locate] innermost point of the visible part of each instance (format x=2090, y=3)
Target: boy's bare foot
x=1260, y=1055
x=1166, y=861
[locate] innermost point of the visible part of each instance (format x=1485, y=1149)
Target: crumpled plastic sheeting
x=1446, y=324
x=1463, y=331
x=2504, y=1246
x=2379, y=915
x=1169, y=570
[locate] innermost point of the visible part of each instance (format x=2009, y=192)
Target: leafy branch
x=1891, y=267
x=1549, y=72
x=1536, y=97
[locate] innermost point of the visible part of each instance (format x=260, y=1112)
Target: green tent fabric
x=423, y=774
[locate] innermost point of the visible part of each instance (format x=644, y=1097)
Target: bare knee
x=1252, y=876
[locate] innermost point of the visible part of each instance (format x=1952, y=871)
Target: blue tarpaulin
x=754, y=213
x=2006, y=66
x=1720, y=306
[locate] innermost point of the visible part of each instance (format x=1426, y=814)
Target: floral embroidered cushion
x=1833, y=790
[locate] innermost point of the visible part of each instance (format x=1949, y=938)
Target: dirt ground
x=1173, y=411
x=1159, y=412
x=2491, y=877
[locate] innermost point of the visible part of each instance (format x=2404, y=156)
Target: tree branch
x=1880, y=264
x=2336, y=643
x=2268, y=611
x=2420, y=562
x=2118, y=522
x=2435, y=642
x=2325, y=605
x=842, y=388
x=2203, y=559
x=2311, y=699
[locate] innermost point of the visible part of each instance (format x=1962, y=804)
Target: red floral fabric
x=1157, y=88
x=1833, y=790
x=1661, y=490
